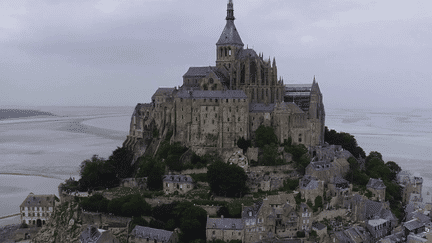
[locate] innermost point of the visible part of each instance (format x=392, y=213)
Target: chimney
x=221, y=216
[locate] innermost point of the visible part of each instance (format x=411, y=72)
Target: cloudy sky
x=364, y=53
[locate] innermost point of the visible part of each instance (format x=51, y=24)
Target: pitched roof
x=198, y=71
x=242, y=53
x=202, y=94
x=229, y=35
x=33, y=200
x=319, y=226
x=178, y=178
x=163, y=92
x=254, y=209
x=261, y=107
x=151, y=233
x=376, y=183
x=224, y=223
x=373, y=208
x=289, y=106
x=91, y=234
x=413, y=224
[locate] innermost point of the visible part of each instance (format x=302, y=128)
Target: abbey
x=217, y=105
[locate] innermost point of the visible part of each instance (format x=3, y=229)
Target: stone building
x=94, y=235
x=310, y=188
x=305, y=218
x=326, y=170
x=140, y=183
x=179, y=183
x=251, y=222
x=37, y=209
x=141, y=234
x=410, y=184
x=378, y=228
x=377, y=187
x=225, y=229
x=355, y=234
x=320, y=229
x=217, y=105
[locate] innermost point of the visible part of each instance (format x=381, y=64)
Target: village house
x=305, y=219
x=225, y=229
x=377, y=187
x=355, y=234
x=320, y=229
x=179, y=183
x=94, y=235
x=310, y=188
x=37, y=209
x=378, y=228
x=410, y=184
x=250, y=219
x=141, y=234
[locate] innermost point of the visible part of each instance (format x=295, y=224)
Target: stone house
x=377, y=187
x=339, y=189
x=414, y=226
x=378, y=228
x=94, y=235
x=252, y=221
x=310, y=188
x=37, y=209
x=305, y=218
x=410, y=184
x=320, y=229
x=355, y=234
x=225, y=229
x=179, y=183
x=259, y=181
x=141, y=234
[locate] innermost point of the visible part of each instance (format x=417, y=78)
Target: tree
x=394, y=169
x=318, y=203
x=265, y=135
x=244, y=144
x=227, y=180
x=95, y=172
x=270, y=155
x=346, y=140
x=223, y=211
x=121, y=161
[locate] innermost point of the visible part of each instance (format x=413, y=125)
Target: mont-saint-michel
x=233, y=154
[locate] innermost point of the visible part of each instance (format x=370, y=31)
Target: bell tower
x=229, y=42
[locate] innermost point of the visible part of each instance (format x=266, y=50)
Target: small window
x=226, y=102
x=181, y=99
x=206, y=108
x=205, y=100
x=228, y=118
x=216, y=115
x=216, y=100
x=234, y=100
x=211, y=100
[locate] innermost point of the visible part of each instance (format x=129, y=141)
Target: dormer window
x=214, y=225
x=250, y=213
x=233, y=225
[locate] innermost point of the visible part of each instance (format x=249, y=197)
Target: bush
x=300, y=234
x=202, y=177
x=265, y=135
x=95, y=203
x=130, y=205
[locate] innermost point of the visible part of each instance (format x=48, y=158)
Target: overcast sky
x=364, y=53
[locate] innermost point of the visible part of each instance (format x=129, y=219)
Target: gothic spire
x=230, y=11
x=314, y=79
x=229, y=35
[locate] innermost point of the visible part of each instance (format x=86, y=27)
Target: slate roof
x=420, y=216
x=261, y=107
x=319, y=226
x=373, y=208
x=224, y=223
x=376, y=222
x=376, y=183
x=198, y=71
x=202, y=94
x=289, y=107
x=313, y=184
x=413, y=224
x=229, y=35
x=254, y=208
x=415, y=197
x=91, y=234
x=165, y=92
x=33, y=200
x=339, y=180
x=321, y=165
x=242, y=53
x=151, y=233
x=178, y=178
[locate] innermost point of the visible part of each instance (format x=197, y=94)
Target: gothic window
x=229, y=51
x=221, y=51
x=253, y=94
x=300, y=138
x=225, y=51
x=242, y=74
x=252, y=71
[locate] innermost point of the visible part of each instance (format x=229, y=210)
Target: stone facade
x=217, y=105
x=37, y=209
x=377, y=187
x=310, y=188
x=179, y=183
x=225, y=229
x=140, y=183
x=410, y=184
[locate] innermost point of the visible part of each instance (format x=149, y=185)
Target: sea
x=42, y=146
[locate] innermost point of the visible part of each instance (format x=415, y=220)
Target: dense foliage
x=289, y=185
x=97, y=173
x=227, y=180
x=346, y=140
x=300, y=156
x=269, y=156
x=244, y=144
x=95, y=203
x=189, y=218
x=265, y=135
x=129, y=205
x=376, y=168
x=153, y=170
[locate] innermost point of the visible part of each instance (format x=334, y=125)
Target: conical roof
x=229, y=35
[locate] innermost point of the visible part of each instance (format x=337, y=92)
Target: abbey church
x=217, y=105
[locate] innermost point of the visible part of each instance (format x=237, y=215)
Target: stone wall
x=192, y=171
x=103, y=219
x=211, y=210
